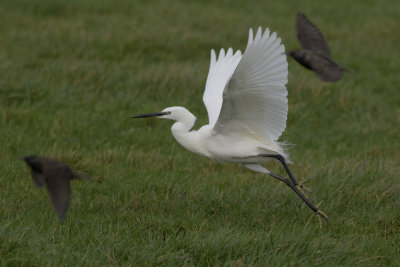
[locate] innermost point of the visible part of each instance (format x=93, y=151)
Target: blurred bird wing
x=59, y=189
x=310, y=37
x=38, y=178
x=255, y=98
x=221, y=70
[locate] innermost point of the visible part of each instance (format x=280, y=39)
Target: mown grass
x=72, y=73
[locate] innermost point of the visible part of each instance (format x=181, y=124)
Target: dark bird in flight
x=56, y=176
x=315, y=52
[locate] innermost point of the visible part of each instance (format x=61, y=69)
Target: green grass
x=72, y=73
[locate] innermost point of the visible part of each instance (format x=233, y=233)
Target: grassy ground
x=72, y=73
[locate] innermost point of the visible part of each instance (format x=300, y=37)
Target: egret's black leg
x=294, y=188
x=283, y=162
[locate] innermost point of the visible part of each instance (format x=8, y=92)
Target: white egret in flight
x=246, y=101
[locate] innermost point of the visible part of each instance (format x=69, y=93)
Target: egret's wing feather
x=310, y=37
x=255, y=98
x=220, y=71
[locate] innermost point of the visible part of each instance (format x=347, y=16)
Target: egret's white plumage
x=246, y=101
x=219, y=74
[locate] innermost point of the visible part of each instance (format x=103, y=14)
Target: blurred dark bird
x=315, y=54
x=56, y=176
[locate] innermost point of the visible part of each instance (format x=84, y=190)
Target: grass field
x=72, y=73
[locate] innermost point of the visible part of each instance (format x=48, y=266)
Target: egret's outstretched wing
x=218, y=75
x=255, y=98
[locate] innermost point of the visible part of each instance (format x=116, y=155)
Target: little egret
x=246, y=101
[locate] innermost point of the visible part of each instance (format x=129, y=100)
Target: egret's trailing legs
x=285, y=166
x=294, y=188
x=292, y=183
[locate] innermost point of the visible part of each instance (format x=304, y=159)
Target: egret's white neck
x=181, y=128
x=185, y=122
x=191, y=140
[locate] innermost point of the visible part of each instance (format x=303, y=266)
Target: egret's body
x=235, y=146
x=246, y=101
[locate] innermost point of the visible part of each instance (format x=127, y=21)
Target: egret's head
x=179, y=114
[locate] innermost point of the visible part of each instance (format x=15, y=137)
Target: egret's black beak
x=149, y=115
